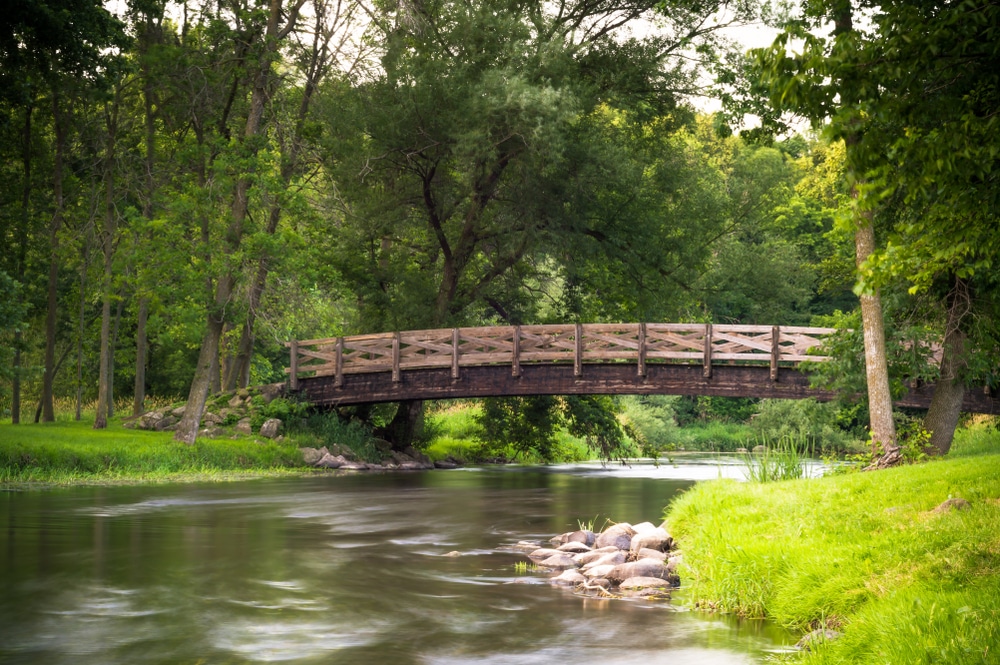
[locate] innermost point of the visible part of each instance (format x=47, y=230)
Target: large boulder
x=598, y=572
x=568, y=577
x=584, y=536
x=312, y=456
x=150, y=420
x=654, y=538
x=573, y=547
x=244, y=427
x=619, y=535
x=270, y=428
x=329, y=461
x=543, y=553
x=165, y=423
x=642, y=568
x=635, y=583
x=558, y=561
x=609, y=559
x=586, y=557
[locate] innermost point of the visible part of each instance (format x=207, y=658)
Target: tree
x=508, y=144
x=276, y=28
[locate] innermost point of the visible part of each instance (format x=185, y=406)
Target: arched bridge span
x=615, y=359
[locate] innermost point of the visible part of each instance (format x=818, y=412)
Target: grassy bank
x=862, y=553
x=74, y=452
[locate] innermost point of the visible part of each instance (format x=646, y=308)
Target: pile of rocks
x=624, y=560
x=234, y=410
x=342, y=457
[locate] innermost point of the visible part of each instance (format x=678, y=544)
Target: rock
x=243, y=392
x=165, y=423
x=593, y=555
x=952, y=504
x=453, y=553
x=243, y=426
x=598, y=571
x=414, y=466
x=646, y=553
x=418, y=456
x=313, y=455
x=643, y=527
x=584, y=536
x=568, y=577
x=235, y=402
x=741, y=450
x=271, y=391
x=383, y=447
x=524, y=546
x=634, y=583
x=149, y=420
x=561, y=539
x=375, y=467
x=353, y=466
x=179, y=411
x=212, y=432
x=615, y=558
x=817, y=636
x=596, y=582
x=329, y=461
x=654, y=539
x=211, y=418
x=445, y=464
x=558, y=561
x=642, y=568
x=760, y=449
x=619, y=535
x=130, y=424
x=573, y=547
x=270, y=428
x=543, y=553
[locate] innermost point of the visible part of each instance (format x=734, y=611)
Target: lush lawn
x=861, y=552
x=73, y=452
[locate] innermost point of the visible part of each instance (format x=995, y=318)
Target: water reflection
x=405, y=568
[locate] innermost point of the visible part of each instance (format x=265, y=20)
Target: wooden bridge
x=614, y=359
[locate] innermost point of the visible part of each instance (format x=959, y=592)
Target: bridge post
x=338, y=364
x=707, y=372
x=395, y=357
x=515, y=361
x=641, y=365
x=293, y=371
x=578, y=351
x=455, y=340
x=775, y=351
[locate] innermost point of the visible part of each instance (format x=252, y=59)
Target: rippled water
x=395, y=568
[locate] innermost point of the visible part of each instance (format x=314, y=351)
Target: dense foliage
x=186, y=186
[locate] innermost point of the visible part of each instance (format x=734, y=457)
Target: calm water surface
x=340, y=569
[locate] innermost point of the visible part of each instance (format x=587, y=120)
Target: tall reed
x=783, y=459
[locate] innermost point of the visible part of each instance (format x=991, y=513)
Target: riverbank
x=882, y=557
x=73, y=453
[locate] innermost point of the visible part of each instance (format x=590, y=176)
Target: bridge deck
x=638, y=358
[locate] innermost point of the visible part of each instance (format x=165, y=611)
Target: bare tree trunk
x=949, y=391
x=141, y=346
x=48, y=411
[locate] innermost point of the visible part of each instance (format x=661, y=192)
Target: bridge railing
x=579, y=344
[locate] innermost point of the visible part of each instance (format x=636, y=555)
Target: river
x=352, y=569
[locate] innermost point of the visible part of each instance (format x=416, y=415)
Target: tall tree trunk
x=949, y=391
x=115, y=327
x=15, y=406
x=107, y=241
x=187, y=429
x=48, y=378
x=883, y=428
x=139, y=389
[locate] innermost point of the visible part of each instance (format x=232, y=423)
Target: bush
x=809, y=423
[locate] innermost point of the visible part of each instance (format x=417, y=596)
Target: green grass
x=860, y=552
x=74, y=452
